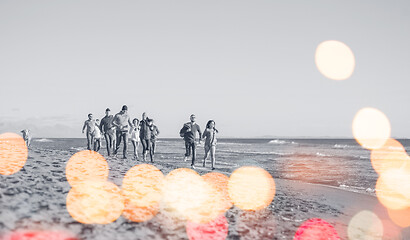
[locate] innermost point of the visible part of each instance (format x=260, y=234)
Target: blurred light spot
x=393, y=188
x=316, y=229
x=251, y=188
x=86, y=166
x=391, y=155
x=39, y=235
x=13, y=153
x=335, y=60
x=187, y=195
x=371, y=128
x=400, y=217
x=365, y=225
x=95, y=202
x=142, y=191
x=215, y=229
x=220, y=184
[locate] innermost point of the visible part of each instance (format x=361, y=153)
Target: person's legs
x=207, y=148
x=124, y=136
x=151, y=154
x=118, y=142
x=144, y=149
x=187, y=150
x=193, y=146
x=89, y=141
x=213, y=160
x=98, y=144
x=153, y=146
x=135, y=145
x=108, y=141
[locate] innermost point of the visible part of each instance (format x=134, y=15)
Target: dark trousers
x=146, y=147
x=109, y=140
x=97, y=144
x=90, y=140
x=122, y=136
x=190, y=147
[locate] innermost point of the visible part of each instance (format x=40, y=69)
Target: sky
x=248, y=65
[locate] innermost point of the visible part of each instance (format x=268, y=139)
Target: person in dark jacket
x=189, y=131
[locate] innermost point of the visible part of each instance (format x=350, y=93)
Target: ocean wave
x=343, y=146
x=43, y=140
x=280, y=142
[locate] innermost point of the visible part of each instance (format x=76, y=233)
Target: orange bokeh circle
x=392, y=189
x=95, y=202
x=251, y=188
x=400, y=217
x=391, y=155
x=13, y=153
x=86, y=166
x=142, y=191
x=219, y=182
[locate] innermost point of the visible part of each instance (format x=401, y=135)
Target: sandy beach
x=35, y=199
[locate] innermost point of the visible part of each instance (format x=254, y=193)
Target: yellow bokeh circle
x=251, y=188
x=13, y=153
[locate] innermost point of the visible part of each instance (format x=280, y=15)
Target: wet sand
x=35, y=199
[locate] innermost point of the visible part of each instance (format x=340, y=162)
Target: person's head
x=150, y=121
x=107, y=112
x=124, y=108
x=90, y=116
x=193, y=117
x=144, y=116
x=135, y=121
x=210, y=124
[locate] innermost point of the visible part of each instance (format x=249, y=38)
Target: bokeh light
x=251, y=188
x=393, y=189
x=400, y=217
x=187, y=195
x=219, y=182
x=95, y=202
x=86, y=166
x=142, y=191
x=335, y=60
x=13, y=153
x=39, y=235
x=316, y=229
x=371, y=128
x=216, y=229
x=365, y=225
x=391, y=155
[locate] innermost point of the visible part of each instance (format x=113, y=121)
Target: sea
x=338, y=163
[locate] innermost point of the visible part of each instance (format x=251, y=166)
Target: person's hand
x=83, y=131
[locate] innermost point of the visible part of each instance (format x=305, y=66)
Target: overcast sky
x=249, y=65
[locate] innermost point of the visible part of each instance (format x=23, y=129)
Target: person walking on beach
x=135, y=136
x=90, y=125
x=210, y=142
x=145, y=137
x=108, y=130
x=189, y=131
x=122, y=122
x=26, y=136
x=97, y=136
x=154, y=133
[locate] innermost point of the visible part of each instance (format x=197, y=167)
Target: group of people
x=119, y=128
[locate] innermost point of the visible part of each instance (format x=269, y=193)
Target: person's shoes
x=124, y=157
x=203, y=164
x=193, y=167
x=213, y=168
x=185, y=158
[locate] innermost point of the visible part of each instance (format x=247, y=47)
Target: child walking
x=210, y=142
x=135, y=136
x=97, y=136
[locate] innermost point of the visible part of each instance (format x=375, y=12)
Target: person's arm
x=200, y=133
x=85, y=124
x=114, y=123
x=130, y=123
x=157, y=130
x=204, y=134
